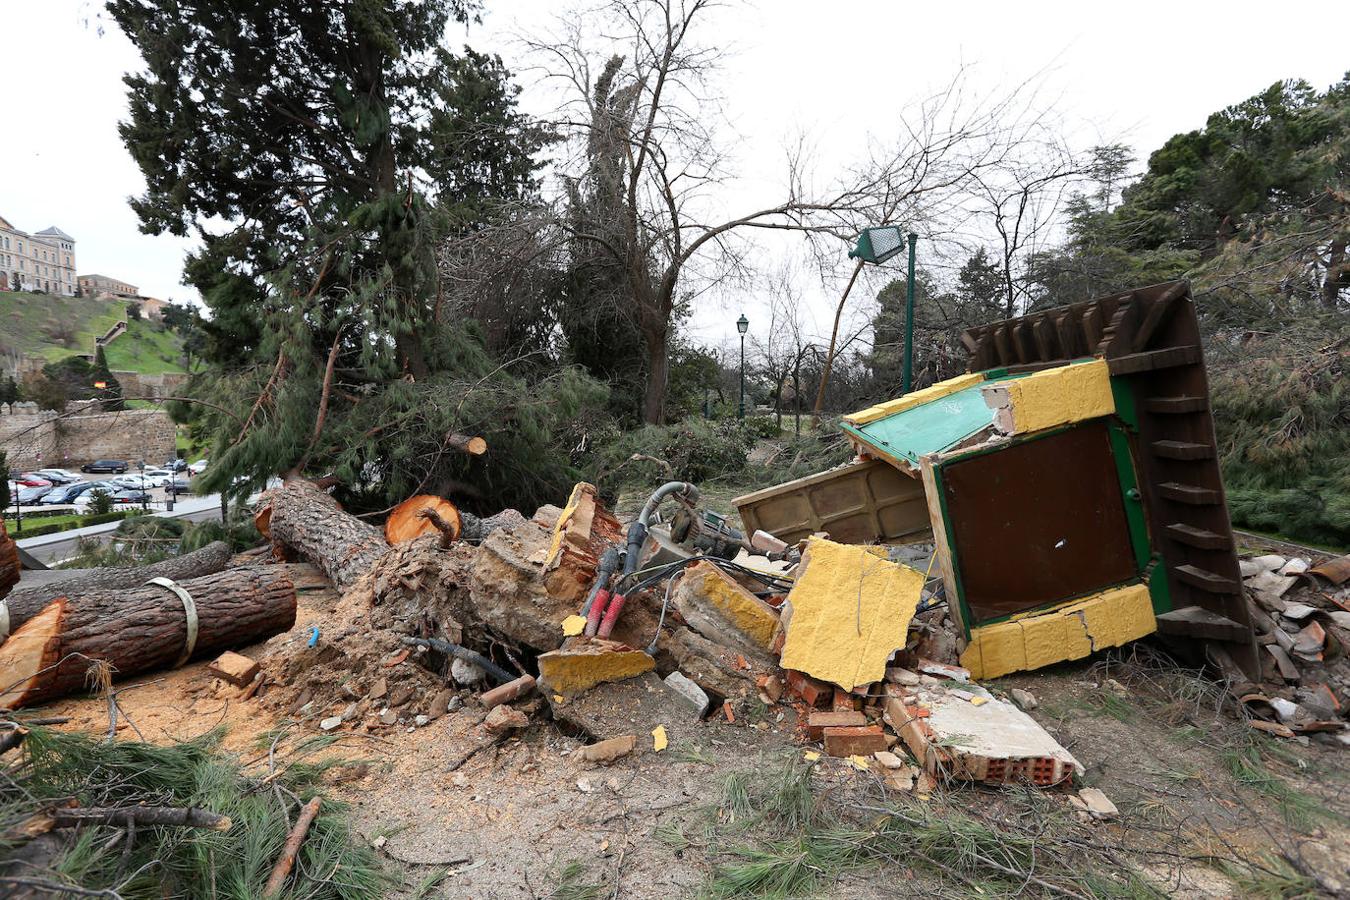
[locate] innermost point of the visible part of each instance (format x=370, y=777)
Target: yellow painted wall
x=1072, y=631
x=1059, y=396
x=917, y=398
x=850, y=611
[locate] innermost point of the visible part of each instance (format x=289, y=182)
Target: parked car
x=59, y=476
x=198, y=467
x=31, y=495
x=176, y=465
x=181, y=484
x=116, y=467
x=129, y=496
x=31, y=479
x=86, y=491
x=152, y=479
x=65, y=493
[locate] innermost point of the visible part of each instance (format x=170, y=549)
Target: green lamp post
x=876, y=245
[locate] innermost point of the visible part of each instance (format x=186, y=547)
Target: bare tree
x=786, y=343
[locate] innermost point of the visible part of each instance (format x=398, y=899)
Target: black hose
x=494, y=671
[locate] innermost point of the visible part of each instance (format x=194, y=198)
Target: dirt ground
x=517, y=819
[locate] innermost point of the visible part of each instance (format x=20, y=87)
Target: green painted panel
x=928, y=428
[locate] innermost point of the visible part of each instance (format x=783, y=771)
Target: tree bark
x=27, y=602
x=309, y=524
x=139, y=630
x=9, y=561
x=474, y=446
x=658, y=373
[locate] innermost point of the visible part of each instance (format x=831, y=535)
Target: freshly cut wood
x=262, y=520
x=423, y=514
x=309, y=524
x=9, y=561
x=25, y=603
x=30, y=652
x=474, y=446
x=140, y=629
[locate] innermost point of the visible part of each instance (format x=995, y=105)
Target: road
x=54, y=548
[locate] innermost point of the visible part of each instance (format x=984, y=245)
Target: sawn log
x=27, y=602
x=141, y=629
x=308, y=523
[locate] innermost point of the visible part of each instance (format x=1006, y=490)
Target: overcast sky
x=836, y=72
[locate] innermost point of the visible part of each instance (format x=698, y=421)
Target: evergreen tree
x=111, y=392
x=340, y=142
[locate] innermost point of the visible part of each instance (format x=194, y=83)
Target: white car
x=198, y=467
x=153, y=478
x=60, y=476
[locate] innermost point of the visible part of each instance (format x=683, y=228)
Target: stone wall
x=132, y=435
x=156, y=386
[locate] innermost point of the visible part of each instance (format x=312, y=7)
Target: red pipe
x=611, y=615
x=597, y=610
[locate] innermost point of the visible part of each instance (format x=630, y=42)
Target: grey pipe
x=670, y=487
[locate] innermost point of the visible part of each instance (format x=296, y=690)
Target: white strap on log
x=189, y=609
x=4, y=620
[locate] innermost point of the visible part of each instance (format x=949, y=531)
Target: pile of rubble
x=1301, y=613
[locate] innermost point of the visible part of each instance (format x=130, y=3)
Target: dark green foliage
x=74, y=378
x=1290, y=475
x=697, y=450
x=182, y=862
x=4, y=480
x=349, y=143
x=101, y=518
x=100, y=503
x=9, y=391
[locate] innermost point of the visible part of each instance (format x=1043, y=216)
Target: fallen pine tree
x=25, y=603
x=141, y=629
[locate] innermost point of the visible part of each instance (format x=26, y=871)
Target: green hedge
x=100, y=518
x=39, y=530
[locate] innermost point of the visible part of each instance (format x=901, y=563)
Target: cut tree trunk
x=9, y=561
x=307, y=523
x=423, y=514
x=139, y=630
x=25, y=603
x=474, y=446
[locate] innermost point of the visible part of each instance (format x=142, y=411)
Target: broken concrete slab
x=1294, y=566
x=634, y=706
x=1268, y=563
x=1095, y=803
x=711, y=666
x=582, y=663
x=721, y=610
x=1271, y=583
x=993, y=742
x=840, y=585
x=689, y=691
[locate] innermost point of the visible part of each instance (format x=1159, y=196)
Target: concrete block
x=721, y=610
x=689, y=691
x=582, y=663
x=233, y=667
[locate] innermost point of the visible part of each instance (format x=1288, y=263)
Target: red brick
x=844, y=700
x=807, y=688
x=817, y=722
x=861, y=740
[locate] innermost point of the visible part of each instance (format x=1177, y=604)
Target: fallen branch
x=181, y=816
x=287, y=859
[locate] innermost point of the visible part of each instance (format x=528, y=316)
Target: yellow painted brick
x=582, y=663
x=917, y=398
x=1060, y=396
x=747, y=613
x=850, y=611
x=1001, y=649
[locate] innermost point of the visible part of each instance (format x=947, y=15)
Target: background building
x=37, y=262
x=93, y=285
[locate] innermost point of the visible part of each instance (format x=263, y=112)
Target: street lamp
x=876, y=245
x=742, y=325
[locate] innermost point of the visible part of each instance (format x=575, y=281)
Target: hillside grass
x=145, y=348
x=53, y=327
